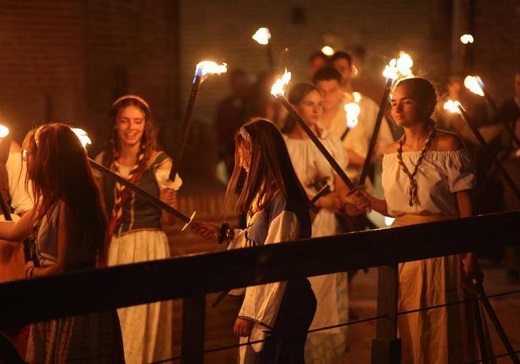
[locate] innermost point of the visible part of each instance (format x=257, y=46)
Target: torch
x=456, y=107
x=475, y=85
x=396, y=68
x=202, y=70
x=278, y=92
x=85, y=140
x=263, y=36
x=352, y=111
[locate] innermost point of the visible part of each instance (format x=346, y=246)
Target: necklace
x=413, y=199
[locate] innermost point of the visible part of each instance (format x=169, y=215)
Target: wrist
x=225, y=233
x=29, y=271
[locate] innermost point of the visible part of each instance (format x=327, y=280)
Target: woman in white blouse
x=314, y=171
x=427, y=176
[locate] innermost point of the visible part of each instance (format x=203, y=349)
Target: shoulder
x=277, y=204
x=160, y=160
x=392, y=147
x=446, y=141
x=99, y=157
x=15, y=147
x=368, y=101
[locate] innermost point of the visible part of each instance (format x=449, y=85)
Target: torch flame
x=327, y=50
x=390, y=71
x=262, y=36
x=404, y=64
x=399, y=68
x=352, y=109
x=474, y=84
x=278, y=87
x=4, y=131
x=82, y=136
x=452, y=106
x=208, y=67
x=466, y=38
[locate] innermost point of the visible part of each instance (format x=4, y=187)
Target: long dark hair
x=271, y=171
x=60, y=171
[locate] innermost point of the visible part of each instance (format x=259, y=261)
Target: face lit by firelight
x=405, y=109
x=130, y=125
x=310, y=108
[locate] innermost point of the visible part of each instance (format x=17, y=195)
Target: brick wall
x=42, y=63
x=68, y=60
x=497, y=45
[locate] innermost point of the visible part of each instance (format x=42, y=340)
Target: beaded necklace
x=413, y=199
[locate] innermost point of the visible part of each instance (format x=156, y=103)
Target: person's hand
x=352, y=210
x=330, y=202
x=169, y=196
x=29, y=269
x=471, y=269
x=361, y=199
x=207, y=230
x=243, y=327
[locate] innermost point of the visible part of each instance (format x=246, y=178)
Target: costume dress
x=147, y=329
x=281, y=311
x=441, y=335
x=90, y=338
x=331, y=290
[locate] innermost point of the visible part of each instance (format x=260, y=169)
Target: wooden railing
x=192, y=277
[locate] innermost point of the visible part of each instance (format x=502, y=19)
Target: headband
x=37, y=134
x=131, y=97
x=245, y=134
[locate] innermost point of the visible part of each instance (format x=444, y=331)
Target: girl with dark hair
x=427, y=176
x=136, y=225
x=314, y=172
x=279, y=314
x=72, y=235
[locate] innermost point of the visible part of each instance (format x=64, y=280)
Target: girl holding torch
x=71, y=236
x=313, y=170
x=274, y=317
x=135, y=224
x=427, y=176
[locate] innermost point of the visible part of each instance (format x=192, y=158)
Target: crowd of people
x=431, y=171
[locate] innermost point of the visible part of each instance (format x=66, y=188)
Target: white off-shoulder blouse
x=440, y=175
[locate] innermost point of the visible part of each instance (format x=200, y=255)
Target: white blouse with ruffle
x=440, y=175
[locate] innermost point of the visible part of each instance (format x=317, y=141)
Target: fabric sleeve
x=338, y=152
x=21, y=197
x=356, y=140
x=99, y=160
x=163, y=179
x=460, y=171
x=261, y=303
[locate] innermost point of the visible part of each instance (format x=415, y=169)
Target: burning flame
x=474, y=84
x=452, y=106
x=205, y=68
x=262, y=36
x=278, y=87
x=82, y=136
x=466, y=38
x=327, y=50
x=400, y=67
x=352, y=109
x=4, y=131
